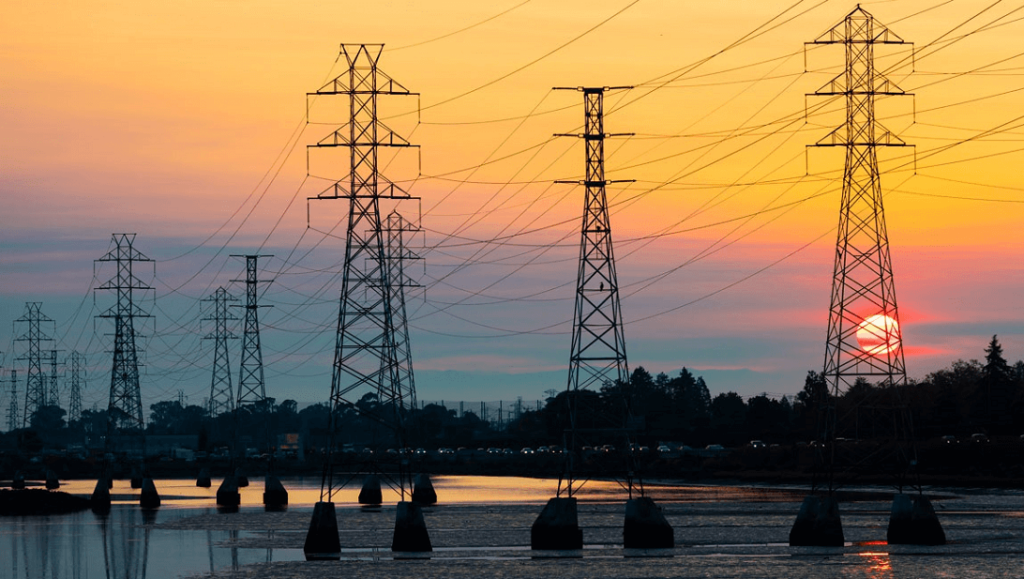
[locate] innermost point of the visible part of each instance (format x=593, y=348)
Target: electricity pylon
x=124, y=411
x=222, y=395
x=398, y=253
x=35, y=381
x=864, y=339
x=364, y=352
x=251, y=385
x=77, y=371
x=598, y=354
x=12, y=406
x=54, y=398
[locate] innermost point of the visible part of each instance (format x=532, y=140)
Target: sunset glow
x=878, y=334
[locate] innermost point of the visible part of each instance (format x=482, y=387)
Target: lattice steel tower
x=36, y=395
x=124, y=411
x=222, y=394
x=864, y=339
x=398, y=253
x=364, y=353
x=598, y=353
x=12, y=406
x=54, y=398
x=76, y=368
x=251, y=386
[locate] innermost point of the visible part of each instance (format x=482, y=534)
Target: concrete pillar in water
x=912, y=521
x=149, y=499
x=557, y=527
x=52, y=483
x=243, y=481
x=322, y=538
x=818, y=524
x=370, y=493
x=18, y=482
x=275, y=497
x=646, y=527
x=203, y=480
x=136, y=478
x=227, y=493
x=423, y=491
x=410, y=529
x=100, y=498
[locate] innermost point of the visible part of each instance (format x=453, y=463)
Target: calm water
x=481, y=529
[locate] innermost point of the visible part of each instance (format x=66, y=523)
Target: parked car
x=757, y=444
x=663, y=448
x=948, y=439
x=526, y=450
x=979, y=437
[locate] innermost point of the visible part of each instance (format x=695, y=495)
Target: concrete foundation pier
x=18, y=482
x=818, y=524
x=370, y=493
x=100, y=498
x=227, y=493
x=423, y=490
x=646, y=527
x=149, y=499
x=52, y=483
x=243, y=481
x=410, y=529
x=136, y=478
x=322, y=541
x=557, y=527
x=912, y=521
x=203, y=480
x=275, y=496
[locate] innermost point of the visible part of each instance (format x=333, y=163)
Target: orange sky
x=162, y=117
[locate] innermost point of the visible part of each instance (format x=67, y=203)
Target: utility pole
x=124, y=411
x=222, y=395
x=76, y=368
x=35, y=381
x=251, y=386
x=598, y=352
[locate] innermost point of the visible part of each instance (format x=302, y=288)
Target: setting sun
x=878, y=334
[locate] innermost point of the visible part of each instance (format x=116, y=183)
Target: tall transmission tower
x=398, y=253
x=222, y=394
x=36, y=395
x=76, y=368
x=124, y=411
x=251, y=386
x=364, y=352
x=598, y=353
x=12, y=406
x=864, y=339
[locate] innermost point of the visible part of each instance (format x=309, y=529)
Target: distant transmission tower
x=36, y=395
x=222, y=395
x=12, y=406
x=364, y=353
x=598, y=353
x=76, y=382
x=124, y=411
x=397, y=254
x=54, y=397
x=251, y=387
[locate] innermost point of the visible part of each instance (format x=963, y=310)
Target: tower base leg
x=227, y=493
x=100, y=498
x=557, y=527
x=370, y=493
x=149, y=499
x=818, y=524
x=423, y=490
x=322, y=543
x=410, y=529
x=912, y=521
x=646, y=527
x=275, y=496
x=203, y=480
